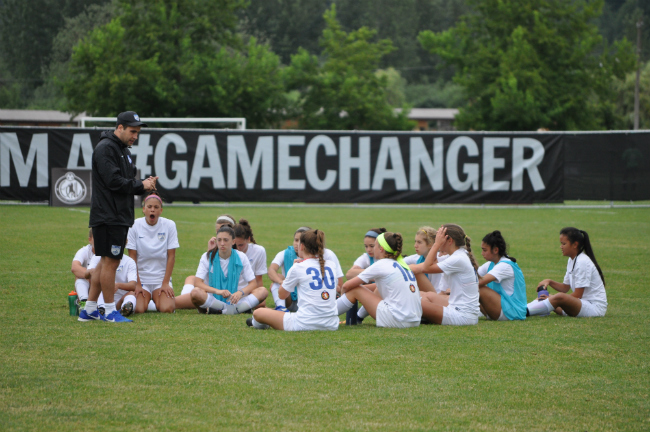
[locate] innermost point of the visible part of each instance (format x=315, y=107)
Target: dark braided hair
x=395, y=242
x=496, y=240
x=584, y=245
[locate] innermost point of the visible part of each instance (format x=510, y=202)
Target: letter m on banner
x=10, y=152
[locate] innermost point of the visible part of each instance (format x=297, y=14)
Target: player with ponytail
x=245, y=242
x=368, y=258
x=314, y=280
x=395, y=301
x=583, y=277
x=502, y=288
x=461, y=307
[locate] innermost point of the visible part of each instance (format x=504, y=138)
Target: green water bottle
x=72, y=302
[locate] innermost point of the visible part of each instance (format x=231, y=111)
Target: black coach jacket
x=113, y=183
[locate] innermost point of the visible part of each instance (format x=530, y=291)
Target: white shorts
x=590, y=309
x=452, y=316
x=150, y=288
x=290, y=323
x=502, y=317
x=386, y=319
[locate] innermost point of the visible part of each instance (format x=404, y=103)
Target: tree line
x=330, y=64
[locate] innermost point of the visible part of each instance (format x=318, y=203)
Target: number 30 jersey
x=398, y=287
x=316, y=294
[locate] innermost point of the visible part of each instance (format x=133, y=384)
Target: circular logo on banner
x=325, y=295
x=70, y=189
x=412, y=288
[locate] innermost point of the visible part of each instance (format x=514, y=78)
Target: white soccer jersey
x=363, y=261
x=398, y=288
x=316, y=295
x=245, y=277
x=151, y=244
x=437, y=279
x=257, y=258
x=84, y=255
x=279, y=260
x=502, y=272
x=329, y=255
x=126, y=272
x=463, y=282
x=582, y=273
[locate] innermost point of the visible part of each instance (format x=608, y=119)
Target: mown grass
x=189, y=371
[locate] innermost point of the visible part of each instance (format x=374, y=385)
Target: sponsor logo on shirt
x=325, y=295
x=161, y=236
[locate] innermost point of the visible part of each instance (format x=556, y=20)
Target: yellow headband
x=384, y=244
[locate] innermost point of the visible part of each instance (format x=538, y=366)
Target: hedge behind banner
x=352, y=167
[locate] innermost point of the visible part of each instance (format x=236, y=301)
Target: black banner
x=302, y=166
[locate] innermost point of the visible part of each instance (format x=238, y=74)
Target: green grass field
x=194, y=372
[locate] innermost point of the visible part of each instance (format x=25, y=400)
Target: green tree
x=177, y=58
x=343, y=92
x=625, y=98
x=539, y=63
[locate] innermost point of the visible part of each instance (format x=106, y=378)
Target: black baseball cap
x=129, y=118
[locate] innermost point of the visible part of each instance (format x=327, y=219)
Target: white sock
x=540, y=307
x=187, y=288
x=259, y=325
x=213, y=304
x=343, y=304
x=109, y=308
x=130, y=298
x=275, y=289
x=151, y=307
x=362, y=312
x=91, y=306
x=247, y=303
x=81, y=287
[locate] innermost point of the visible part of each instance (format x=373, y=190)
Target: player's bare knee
x=260, y=293
x=197, y=296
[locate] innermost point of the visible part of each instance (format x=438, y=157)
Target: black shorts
x=110, y=240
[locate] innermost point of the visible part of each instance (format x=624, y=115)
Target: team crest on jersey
x=325, y=295
x=412, y=288
x=115, y=250
x=119, y=269
x=161, y=236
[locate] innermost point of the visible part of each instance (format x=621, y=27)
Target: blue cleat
x=85, y=316
x=115, y=317
x=281, y=309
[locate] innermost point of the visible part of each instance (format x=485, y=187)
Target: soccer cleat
x=81, y=305
x=281, y=309
x=127, y=309
x=101, y=310
x=115, y=317
x=85, y=316
x=249, y=322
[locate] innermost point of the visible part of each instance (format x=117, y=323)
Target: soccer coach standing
x=114, y=184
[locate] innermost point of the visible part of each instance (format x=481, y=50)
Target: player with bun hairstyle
x=583, y=276
x=245, y=242
x=461, y=307
x=313, y=279
x=224, y=281
x=502, y=288
x=396, y=301
x=152, y=242
x=433, y=282
x=367, y=259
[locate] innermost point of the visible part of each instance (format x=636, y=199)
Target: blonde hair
x=428, y=233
